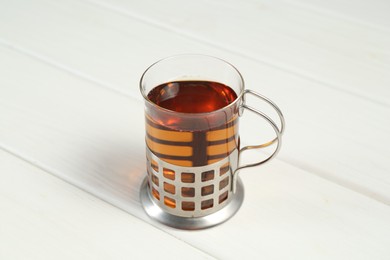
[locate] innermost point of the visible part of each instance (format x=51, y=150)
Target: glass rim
x=239, y=95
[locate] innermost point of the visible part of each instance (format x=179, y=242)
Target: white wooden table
x=72, y=135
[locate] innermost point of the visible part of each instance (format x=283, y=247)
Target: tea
x=181, y=142
x=192, y=96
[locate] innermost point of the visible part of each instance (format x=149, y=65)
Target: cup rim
x=239, y=95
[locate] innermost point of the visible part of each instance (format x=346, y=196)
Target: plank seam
x=107, y=87
x=340, y=182
x=335, y=14
x=80, y=186
x=60, y=66
x=267, y=62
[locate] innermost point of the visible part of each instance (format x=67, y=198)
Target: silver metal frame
x=191, y=223
x=197, y=185
x=199, y=218
x=278, y=132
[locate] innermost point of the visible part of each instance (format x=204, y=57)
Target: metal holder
x=200, y=197
x=191, y=197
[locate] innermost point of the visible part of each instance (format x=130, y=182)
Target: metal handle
x=278, y=132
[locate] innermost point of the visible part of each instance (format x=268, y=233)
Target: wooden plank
x=93, y=139
x=43, y=217
x=317, y=46
x=372, y=13
x=339, y=136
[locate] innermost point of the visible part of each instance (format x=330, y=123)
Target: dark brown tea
x=179, y=139
x=192, y=96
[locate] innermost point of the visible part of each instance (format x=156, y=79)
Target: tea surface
x=192, y=96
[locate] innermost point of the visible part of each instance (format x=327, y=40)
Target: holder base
x=188, y=223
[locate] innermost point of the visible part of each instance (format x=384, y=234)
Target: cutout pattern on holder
x=190, y=191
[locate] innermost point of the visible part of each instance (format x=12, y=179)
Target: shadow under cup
x=192, y=156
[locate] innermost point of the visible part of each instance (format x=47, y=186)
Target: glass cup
x=192, y=107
